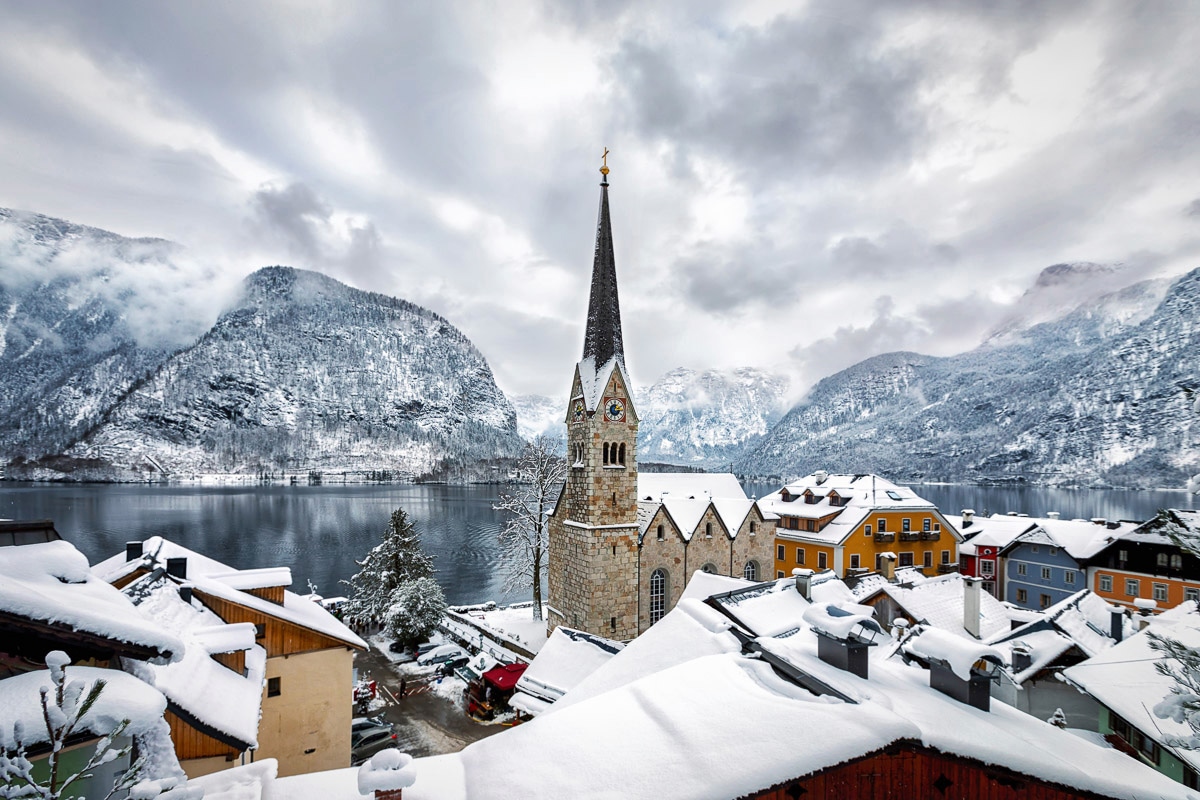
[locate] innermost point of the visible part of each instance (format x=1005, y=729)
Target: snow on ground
x=514, y=623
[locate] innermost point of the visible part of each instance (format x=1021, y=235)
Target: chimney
x=967, y=515
x=133, y=551
x=971, y=605
x=842, y=636
x=803, y=578
x=1022, y=658
x=1112, y=524
x=821, y=476
x=888, y=562
x=177, y=567
x=1052, y=515
x=1117, y=624
x=389, y=794
x=185, y=594
x=956, y=668
x=1099, y=521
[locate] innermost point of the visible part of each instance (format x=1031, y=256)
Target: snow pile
x=52, y=583
x=246, y=782
x=224, y=638
x=831, y=620
x=956, y=652
x=567, y=658
x=246, y=579
x=387, y=770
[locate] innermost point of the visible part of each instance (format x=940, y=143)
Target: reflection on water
x=319, y=531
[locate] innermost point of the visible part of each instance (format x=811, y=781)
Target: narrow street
x=426, y=723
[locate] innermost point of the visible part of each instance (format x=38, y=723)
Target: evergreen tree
x=417, y=608
x=396, y=560
x=525, y=539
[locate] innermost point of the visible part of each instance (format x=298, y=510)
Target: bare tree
x=525, y=538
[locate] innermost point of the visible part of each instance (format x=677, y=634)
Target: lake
x=319, y=531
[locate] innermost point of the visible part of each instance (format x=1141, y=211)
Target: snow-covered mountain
x=701, y=419
x=708, y=418
x=299, y=373
x=1105, y=395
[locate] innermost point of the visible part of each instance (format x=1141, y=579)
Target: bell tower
x=594, y=531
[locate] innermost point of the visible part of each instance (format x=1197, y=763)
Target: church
x=622, y=547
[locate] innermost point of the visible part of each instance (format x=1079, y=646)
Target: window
x=1022, y=596
x=906, y=559
x=1053, y=551
x=1162, y=559
x=881, y=525
x=822, y=561
x=1122, y=555
x=1160, y=592
x=1046, y=574
x=1021, y=568
x=750, y=571
x=606, y=453
x=1140, y=741
x=945, y=556
x=780, y=552
x=1106, y=583
x=621, y=454
x=810, y=525
x=1069, y=575
x=753, y=528
x=658, y=595
x=661, y=533
x=990, y=587
x=854, y=561
x=260, y=630
x=708, y=530
x=937, y=526
x=778, y=573
x=711, y=569
x=1033, y=548
x=866, y=530
x=800, y=555
x=1132, y=587
x=987, y=567
x=1177, y=561
x=928, y=558
x=273, y=689
x=1191, y=595
x=1044, y=601
x=906, y=525
x=925, y=524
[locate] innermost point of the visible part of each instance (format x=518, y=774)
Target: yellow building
x=852, y=523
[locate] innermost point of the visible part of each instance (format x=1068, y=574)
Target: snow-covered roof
x=123, y=697
x=200, y=574
x=1123, y=678
x=957, y=652
x=995, y=531
x=220, y=699
x=653, y=485
x=254, y=781
x=566, y=658
x=1183, y=523
x=1084, y=620
x=687, y=496
x=938, y=602
x=593, y=383
x=267, y=577
x=51, y=583
x=1080, y=538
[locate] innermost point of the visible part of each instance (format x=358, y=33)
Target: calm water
x=318, y=531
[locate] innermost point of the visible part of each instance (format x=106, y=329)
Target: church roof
x=602, y=342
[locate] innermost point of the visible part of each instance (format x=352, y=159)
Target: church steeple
x=602, y=341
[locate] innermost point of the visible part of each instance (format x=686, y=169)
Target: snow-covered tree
x=398, y=559
x=525, y=537
x=64, y=707
x=1180, y=662
x=1058, y=719
x=417, y=608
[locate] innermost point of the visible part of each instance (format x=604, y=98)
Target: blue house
x=1040, y=571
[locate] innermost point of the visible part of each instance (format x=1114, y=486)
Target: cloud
x=1193, y=208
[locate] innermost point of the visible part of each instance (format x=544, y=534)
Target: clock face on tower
x=614, y=409
x=577, y=412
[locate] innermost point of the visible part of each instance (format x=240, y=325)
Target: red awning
x=505, y=676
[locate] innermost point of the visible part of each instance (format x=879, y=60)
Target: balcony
x=885, y=537
x=910, y=536
x=946, y=568
x=930, y=536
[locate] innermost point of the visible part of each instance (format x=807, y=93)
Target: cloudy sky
x=794, y=185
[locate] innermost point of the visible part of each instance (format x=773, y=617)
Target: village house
x=1144, y=563
x=851, y=523
x=621, y=545
x=297, y=656
x=984, y=538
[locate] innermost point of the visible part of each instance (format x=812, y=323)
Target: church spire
x=602, y=341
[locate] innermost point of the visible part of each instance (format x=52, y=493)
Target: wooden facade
x=191, y=742
x=273, y=594
x=280, y=637
x=910, y=770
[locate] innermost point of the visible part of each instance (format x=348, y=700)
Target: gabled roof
x=594, y=380
x=212, y=577
x=1159, y=528
x=687, y=496
x=1082, y=621
x=938, y=602
x=49, y=587
x=1080, y=538
x=224, y=703
x=995, y=531
x=1124, y=679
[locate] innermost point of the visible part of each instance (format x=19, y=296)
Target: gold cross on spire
x=604, y=168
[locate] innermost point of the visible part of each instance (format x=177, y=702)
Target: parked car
x=449, y=665
x=425, y=647
x=370, y=743
x=441, y=654
x=402, y=652
x=360, y=725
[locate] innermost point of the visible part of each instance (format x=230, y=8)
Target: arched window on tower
x=658, y=595
x=621, y=454
x=750, y=573
x=606, y=453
